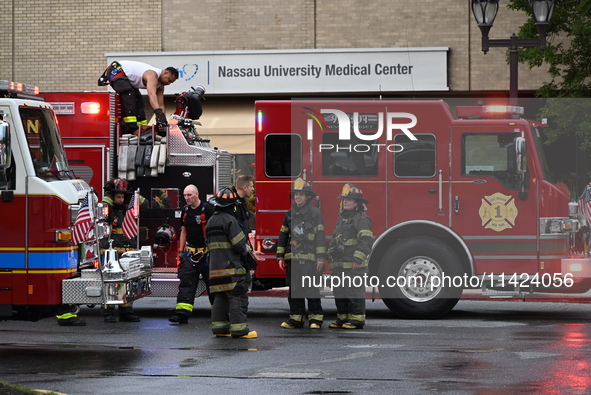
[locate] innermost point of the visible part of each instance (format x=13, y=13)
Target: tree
x=568, y=92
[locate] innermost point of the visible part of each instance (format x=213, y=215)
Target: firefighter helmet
x=164, y=236
x=117, y=185
x=300, y=185
x=352, y=192
x=224, y=198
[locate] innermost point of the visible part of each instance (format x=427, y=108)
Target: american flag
x=130, y=227
x=585, y=204
x=83, y=222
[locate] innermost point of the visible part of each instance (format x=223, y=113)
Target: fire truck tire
x=408, y=278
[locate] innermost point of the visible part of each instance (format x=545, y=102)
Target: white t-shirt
x=135, y=70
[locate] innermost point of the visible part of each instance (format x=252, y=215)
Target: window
x=491, y=155
x=417, y=158
x=356, y=157
x=283, y=155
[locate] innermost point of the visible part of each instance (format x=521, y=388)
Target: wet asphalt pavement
x=481, y=347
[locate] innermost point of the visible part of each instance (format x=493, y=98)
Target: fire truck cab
x=41, y=267
x=456, y=202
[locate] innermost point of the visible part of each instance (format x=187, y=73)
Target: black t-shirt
x=194, y=220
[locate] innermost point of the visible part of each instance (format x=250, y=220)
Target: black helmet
x=352, y=192
x=300, y=185
x=117, y=185
x=164, y=235
x=224, y=198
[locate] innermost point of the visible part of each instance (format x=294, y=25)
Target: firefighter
x=116, y=191
x=300, y=252
x=244, y=188
x=193, y=254
x=228, y=271
x=348, y=251
x=127, y=77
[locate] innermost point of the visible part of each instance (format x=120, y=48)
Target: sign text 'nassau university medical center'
x=304, y=71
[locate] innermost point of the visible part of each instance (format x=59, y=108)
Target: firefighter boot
x=126, y=314
x=72, y=321
x=249, y=335
x=179, y=318
x=129, y=318
x=350, y=325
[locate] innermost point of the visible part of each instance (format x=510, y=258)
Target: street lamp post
x=485, y=12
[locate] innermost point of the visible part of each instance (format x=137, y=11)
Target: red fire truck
x=456, y=202
x=40, y=266
x=97, y=151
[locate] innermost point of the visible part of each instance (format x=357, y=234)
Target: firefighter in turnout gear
x=300, y=252
x=228, y=274
x=193, y=254
x=116, y=191
x=348, y=251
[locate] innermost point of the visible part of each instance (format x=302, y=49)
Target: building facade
x=65, y=46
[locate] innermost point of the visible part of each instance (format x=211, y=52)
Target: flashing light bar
x=18, y=87
x=490, y=111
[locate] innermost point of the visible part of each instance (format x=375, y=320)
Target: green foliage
x=568, y=53
x=568, y=58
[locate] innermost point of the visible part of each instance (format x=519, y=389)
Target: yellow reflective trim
x=65, y=316
x=61, y=271
x=222, y=288
x=184, y=306
x=129, y=119
x=222, y=272
x=39, y=249
x=238, y=238
x=219, y=245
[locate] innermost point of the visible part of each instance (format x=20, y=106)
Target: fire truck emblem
x=498, y=212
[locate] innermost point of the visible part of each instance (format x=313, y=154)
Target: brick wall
x=60, y=45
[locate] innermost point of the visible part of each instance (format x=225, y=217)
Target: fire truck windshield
x=45, y=146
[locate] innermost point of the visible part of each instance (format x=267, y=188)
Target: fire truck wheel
x=414, y=277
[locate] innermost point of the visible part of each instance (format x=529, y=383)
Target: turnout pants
x=189, y=280
x=350, y=300
x=300, y=290
x=132, y=105
x=229, y=311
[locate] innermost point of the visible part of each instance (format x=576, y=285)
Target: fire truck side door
x=498, y=227
x=13, y=227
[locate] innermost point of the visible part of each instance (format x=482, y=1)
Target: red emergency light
x=259, y=121
x=491, y=111
x=90, y=108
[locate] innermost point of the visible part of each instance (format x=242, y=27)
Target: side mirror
x=521, y=165
x=4, y=145
x=520, y=155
